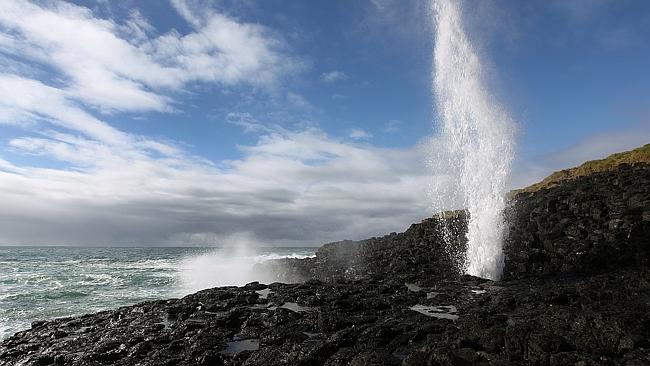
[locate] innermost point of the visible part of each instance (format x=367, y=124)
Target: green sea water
x=39, y=283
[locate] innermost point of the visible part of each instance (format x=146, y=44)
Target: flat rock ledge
x=562, y=320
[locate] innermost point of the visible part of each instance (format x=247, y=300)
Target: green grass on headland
x=639, y=155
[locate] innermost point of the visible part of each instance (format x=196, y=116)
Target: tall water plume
x=478, y=137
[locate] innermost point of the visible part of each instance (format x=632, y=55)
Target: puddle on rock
x=413, y=287
x=401, y=354
x=441, y=311
x=199, y=321
x=167, y=322
x=238, y=345
x=264, y=294
x=293, y=307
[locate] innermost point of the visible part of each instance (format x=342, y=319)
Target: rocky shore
x=576, y=291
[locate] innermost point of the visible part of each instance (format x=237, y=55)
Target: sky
x=284, y=123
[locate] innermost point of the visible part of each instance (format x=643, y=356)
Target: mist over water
x=478, y=139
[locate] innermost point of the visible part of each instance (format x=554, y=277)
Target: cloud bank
x=71, y=178
x=291, y=188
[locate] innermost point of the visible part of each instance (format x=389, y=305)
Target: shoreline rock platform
x=575, y=291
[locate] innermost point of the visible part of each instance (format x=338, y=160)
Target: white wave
x=265, y=257
x=99, y=279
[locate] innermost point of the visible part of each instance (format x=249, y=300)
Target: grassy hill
x=639, y=155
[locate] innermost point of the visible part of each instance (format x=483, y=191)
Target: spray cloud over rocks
x=234, y=263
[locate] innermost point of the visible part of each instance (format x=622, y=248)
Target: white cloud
x=26, y=100
x=184, y=10
x=247, y=122
x=393, y=125
x=123, y=67
x=358, y=134
x=379, y=4
x=334, y=76
x=137, y=27
x=106, y=71
x=299, y=102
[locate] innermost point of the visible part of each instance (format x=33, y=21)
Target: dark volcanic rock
x=576, y=292
x=602, y=319
x=590, y=224
x=419, y=252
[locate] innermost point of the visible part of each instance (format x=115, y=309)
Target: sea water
x=40, y=283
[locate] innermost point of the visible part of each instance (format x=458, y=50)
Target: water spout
x=478, y=136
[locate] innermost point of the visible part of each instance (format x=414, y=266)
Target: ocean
x=40, y=283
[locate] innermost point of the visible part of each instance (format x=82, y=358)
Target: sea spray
x=234, y=262
x=229, y=266
x=478, y=137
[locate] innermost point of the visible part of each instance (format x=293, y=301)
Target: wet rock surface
x=603, y=319
x=576, y=292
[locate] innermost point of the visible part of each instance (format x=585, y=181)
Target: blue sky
x=284, y=123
